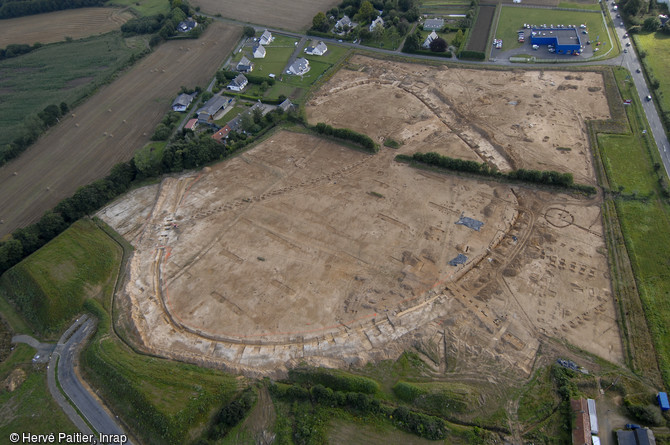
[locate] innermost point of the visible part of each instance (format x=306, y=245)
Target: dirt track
x=294, y=15
x=56, y=26
x=108, y=128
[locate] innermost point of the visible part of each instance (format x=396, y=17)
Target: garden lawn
x=657, y=62
x=512, y=19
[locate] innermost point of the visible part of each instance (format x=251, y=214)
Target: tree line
x=19, y=8
x=542, y=177
x=347, y=135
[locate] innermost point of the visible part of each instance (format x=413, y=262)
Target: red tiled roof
x=222, y=133
x=190, y=125
x=581, y=434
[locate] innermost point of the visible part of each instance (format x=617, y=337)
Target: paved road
x=91, y=409
x=631, y=61
x=44, y=350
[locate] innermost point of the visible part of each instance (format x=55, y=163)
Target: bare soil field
x=294, y=15
x=56, y=26
x=301, y=250
x=109, y=127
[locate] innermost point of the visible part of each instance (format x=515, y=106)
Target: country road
x=62, y=357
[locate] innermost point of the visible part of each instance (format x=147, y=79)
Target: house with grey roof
x=266, y=38
x=433, y=24
x=344, y=24
x=238, y=83
x=432, y=36
x=206, y=114
x=187, y=25
x=258, y=51
x=299, y=67
x=245, y=65
x=286, y=106
x=316, y=50
x=182, y=101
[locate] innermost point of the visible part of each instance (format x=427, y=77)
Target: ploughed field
x=109, y=127
x=56, y=26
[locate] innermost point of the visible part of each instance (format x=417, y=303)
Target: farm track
x=108, y=128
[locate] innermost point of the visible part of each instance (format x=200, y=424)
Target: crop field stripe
x=480, y=32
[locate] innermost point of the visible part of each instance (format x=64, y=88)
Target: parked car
x=648, y=100
x=625, y=50
x=627, y=43
x=638, y=70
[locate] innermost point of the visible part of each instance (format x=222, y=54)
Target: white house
x=258, y=51
x=245, y=65
x=379, y=21
x=299, y=67
x=432, y=36
x=316, y=50
x=187, y=25
x=238, y=83
x=182, y=102
x=266, y=38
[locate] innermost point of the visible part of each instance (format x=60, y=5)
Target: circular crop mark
x=559, y=217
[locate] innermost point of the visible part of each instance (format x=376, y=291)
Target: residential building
x=432, y=36
x=266, y=38
x=299, y=67
x=433, y=24
x=245, y=65
x=259, y=51
x=182, y=102
x=238, y=83
x=379, y=21
x=317, y=50
x=206, y=114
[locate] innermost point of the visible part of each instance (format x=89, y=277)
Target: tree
x=10, y=253
x=64, y=108
x=320, y=22
x=367, y=12
x=632, y=7
x=412, y=43
x=651, y=24
x=458, y=39
x=249, y=31
x=51, y=225
x=438, y=45
x=378, y=32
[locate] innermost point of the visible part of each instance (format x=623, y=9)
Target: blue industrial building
x=564, y=40
x=663, y=401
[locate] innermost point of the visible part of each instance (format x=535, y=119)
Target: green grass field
x=444, y=7
x=645, y=224
x=276, y=57
x=50, y=286
x=29, y=407
x=144, y=7
x=625, y=149
x=574, y=5
x=61, y=72
x=512, y=19
x=657, y=62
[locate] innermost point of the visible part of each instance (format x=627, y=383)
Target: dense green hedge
x=335, y=380
x=471, y=55
x=546, y=177
x=348, y=135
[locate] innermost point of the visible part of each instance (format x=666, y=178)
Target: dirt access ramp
x=294, y=15
x=56, y=26
x=107, y=128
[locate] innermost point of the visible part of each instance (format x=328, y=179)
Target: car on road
x=625, y=36
x=618, y=16
x=638, y=70
x=627, y=43
x=621, y=23
x=648, y=98
x=625, y=50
